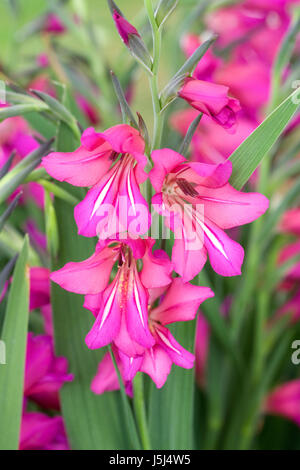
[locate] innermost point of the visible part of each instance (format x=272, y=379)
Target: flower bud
x=130, y=36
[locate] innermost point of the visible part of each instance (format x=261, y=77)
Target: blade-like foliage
x=171, y=409
x=14, y=337
x=248, y=156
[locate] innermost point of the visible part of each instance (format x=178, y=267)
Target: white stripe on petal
x=165, y=340
x=102, y=195
x=138, y=303
x=130, y=193
x=108, y=306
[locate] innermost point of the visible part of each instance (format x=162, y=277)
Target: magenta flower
x=39, y=287
x=285, y=401
x=120, y=308
x=211, y=99
x=288, y=252
x=125, y=29
x=53, y=24
x=112, y=163
x=180, y=302
x=42, y=432
x=199, y=203
x=201, y=349
x=290, y=222
x=106, y=378
x=291, y=308
x=44, y=373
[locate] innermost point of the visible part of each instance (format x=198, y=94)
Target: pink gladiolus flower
x=286, y=254
x=291, y=308
x=211, y=99
x=180, y=303
x=125, y=29
x=106, y=379
x=44, y=373
x=42, y=432
x=199, y=204
x=120, y=308
x=39, y=287
x=290, y=222
x=285, y=401
x=112, y=163
x=201, y=349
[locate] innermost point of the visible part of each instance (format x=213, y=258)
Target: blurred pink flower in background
x=44, y=372
x=42, y=432
x=285, y=401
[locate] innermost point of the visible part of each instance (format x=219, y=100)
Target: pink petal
x=226, y=256
x=157, y=267
x=108, y=321
x=165, y=160
x=180, y=356
x=229, y=208
x=157, y=364
x=90, y=276
x=79, y=168
x=137, y=313
x=180, y=302
x=187, y=263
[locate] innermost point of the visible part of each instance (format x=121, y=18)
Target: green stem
x=140, y=410
x=158, y=117
x=128, y=415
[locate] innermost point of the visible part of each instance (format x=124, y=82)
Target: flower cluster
x=127, y=285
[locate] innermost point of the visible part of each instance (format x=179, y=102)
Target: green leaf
x=248, y=156
x=14, y=336
x=169, y=93
x=171, y=409
x=93, y=422
x=189, y=135
x=125, y=108
x=164, y=9
x=59, y=111
x=18, y=174
x=6, y=167
x=5, y=273
x=192, y=61
x=7, y=213
x=21, y=109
